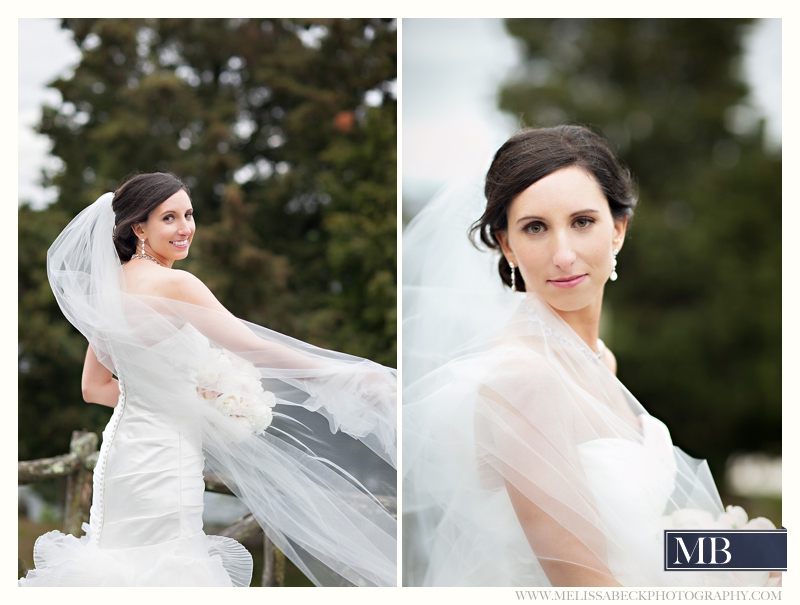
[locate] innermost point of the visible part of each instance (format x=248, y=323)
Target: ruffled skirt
x=197, y=560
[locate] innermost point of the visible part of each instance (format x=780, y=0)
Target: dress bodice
x=632, y=483
x=148, y=480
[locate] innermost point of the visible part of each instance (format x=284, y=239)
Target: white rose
x=759, y=523
x=733, y=517
x=248, y=406
x=268, y=397
x=228, y=383
x=227, y=404
x=259, y=422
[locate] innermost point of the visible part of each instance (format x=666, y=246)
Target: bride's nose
x=564, y=253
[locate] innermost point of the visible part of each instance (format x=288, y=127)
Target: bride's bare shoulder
x=146, y=280
x=175, y=284
x=188, y=288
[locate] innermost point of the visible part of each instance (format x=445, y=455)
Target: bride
x=303, y=436
x=525, y=461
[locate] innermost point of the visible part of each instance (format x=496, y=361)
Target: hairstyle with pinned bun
x=534, y=153
x=133, y=202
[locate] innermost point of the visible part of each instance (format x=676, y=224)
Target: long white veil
x=310, y=479
x=525, y=461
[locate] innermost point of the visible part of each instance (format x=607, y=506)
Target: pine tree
x=285, y=132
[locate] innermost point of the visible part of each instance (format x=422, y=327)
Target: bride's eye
x=583, y=222
x=535, y=227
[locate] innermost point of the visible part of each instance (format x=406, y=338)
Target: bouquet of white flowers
x=734, y=517
x=232, y=386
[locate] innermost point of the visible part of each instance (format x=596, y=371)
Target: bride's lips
x=180, y=243
x=568, y=282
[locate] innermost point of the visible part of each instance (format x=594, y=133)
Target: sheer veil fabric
x=310, y=479
x=525, y=460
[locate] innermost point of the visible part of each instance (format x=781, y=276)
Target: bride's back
x=149, y=279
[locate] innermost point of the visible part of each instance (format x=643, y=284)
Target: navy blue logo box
x=725, y=550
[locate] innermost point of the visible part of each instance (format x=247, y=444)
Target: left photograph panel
x=207, y=334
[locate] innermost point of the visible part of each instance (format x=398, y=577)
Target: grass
x=27, y=532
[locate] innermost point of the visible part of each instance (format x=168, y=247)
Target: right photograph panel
x=591, y=300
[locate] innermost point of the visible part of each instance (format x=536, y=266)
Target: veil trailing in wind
x=525, y=461
x=305, y=437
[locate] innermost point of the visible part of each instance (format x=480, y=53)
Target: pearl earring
x=614, y=275
x=513, y=276
x=143, y=246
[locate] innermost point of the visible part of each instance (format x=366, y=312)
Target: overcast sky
x=45, y=51
x=451, y=71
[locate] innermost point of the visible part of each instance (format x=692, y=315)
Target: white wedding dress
x=146, y=526
x=525, y=460
x=309, y=479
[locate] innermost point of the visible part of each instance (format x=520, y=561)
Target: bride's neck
x=585, y=322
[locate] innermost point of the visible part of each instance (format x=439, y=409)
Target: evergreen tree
x=285, y=132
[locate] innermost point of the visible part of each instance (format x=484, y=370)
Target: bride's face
x=562, y=236
x=169, y=229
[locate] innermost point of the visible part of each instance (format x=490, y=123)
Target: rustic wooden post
x=79, y=483
x=268, y=575
x=274, y=565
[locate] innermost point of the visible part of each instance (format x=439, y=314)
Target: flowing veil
x=312, y=478
x=525, y=461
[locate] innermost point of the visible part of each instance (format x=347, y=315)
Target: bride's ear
x=620, y=227
x=502, y=239
x=138, y=231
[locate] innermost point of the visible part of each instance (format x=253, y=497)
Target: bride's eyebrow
x=573, y=215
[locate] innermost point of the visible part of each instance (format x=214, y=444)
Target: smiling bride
x=296, y=432
x=525, y=461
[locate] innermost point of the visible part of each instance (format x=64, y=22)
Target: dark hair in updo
x=133, y=202
x=531, y=155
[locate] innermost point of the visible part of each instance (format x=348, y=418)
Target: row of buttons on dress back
x=111, y=429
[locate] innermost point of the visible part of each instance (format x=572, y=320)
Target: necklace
x=147, y=256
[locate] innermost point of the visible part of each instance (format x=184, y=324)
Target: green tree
x=285, y=132
x=695, y=318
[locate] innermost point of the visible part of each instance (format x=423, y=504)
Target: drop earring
x=513, y=276
x=614, y=275
x=143, y=252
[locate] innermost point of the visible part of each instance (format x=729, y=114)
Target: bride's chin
x=179, y=254
x=568, y=304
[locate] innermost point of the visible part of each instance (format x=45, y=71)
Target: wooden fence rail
x=78, y=467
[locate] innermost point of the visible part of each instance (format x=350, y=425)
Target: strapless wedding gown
x=199, y=382
x=461, y=529
x=146, y=526
x=479, y=542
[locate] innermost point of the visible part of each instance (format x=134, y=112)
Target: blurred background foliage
x=285, y=131
x=695, y=318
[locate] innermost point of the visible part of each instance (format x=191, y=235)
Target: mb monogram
x=729, y=550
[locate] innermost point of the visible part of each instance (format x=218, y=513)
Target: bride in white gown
x=192, y=385
x=525, y=461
